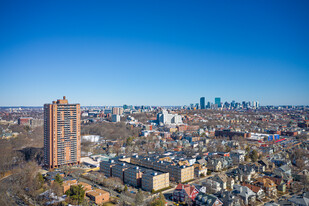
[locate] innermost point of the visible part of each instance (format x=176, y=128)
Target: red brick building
x=62, y=140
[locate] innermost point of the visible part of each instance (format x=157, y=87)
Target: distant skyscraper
x=202, y=103
x=61, y=133
x=208, y=105
x=197, y=106
x=218, y=101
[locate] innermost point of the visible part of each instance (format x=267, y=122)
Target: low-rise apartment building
x=98, y=196
x=154, y=180
x=133, y=176
x=106, y=167
x=119, y=169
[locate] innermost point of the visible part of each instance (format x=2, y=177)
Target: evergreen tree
x=254, y=156
x=158, y=201
x=76, y=193
x=58, y=179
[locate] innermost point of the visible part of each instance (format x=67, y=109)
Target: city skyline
x=189, y=104
x=154, y=53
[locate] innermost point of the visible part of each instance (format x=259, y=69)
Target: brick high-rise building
x=61, y=133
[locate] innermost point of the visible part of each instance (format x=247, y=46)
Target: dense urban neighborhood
x=203, y=154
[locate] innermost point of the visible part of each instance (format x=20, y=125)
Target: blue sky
x=154, y=52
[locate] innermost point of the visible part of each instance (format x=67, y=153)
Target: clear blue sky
x=154, y=52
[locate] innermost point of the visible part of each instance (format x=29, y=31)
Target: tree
x=139, y=198
x=158, y=201
x=247, y=158
x=39, y=180
x=27, y=128
x=247, y=150
x=57, y=189
x=300, y=163
x=227, y=149
x=76, y=193
x=58, y=179
x=254, y=156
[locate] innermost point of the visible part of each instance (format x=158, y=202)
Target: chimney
x=64, y=97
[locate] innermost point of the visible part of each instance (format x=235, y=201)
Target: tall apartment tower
x=61, y=133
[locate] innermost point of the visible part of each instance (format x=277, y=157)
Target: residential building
x=164, y=118
x=119, y=169
x=115, y=118
x=183, y=193
x=207, y=199
x=154, y=180
x=133, y=176
x=211, y=186
x=268, y=186
x=300, y=200
x=106, y=167
x=200, y=170
x=25, y=121
x=98, y=196
x=181, y=173
x=260, y=194
x=177, y=173
x=221, y=179
x=117, y=110
x=229, y=198
x=67, y=184
x=247, y=195
x=62, y=140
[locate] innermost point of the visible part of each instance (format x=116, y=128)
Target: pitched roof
x=222, y=177
x=202, y=161
x=299, y=200
x=266, y=182
x=244, y=191
x=285, y=168
x=276, y=180
x=252, y=187
x=207, y=199
x=187, y=188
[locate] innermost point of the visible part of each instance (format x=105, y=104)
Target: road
x=5, y=177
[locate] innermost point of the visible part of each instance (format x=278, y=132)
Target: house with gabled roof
x=302, y=175
x=211, y=186
x=299, y=200
x=258, y=190
x=268, y=185
x=268, y=165
x=246, y=194
x=207, y=200
x=281, y=185
x=184, y=192
x=200, y=170
x=221, y=179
